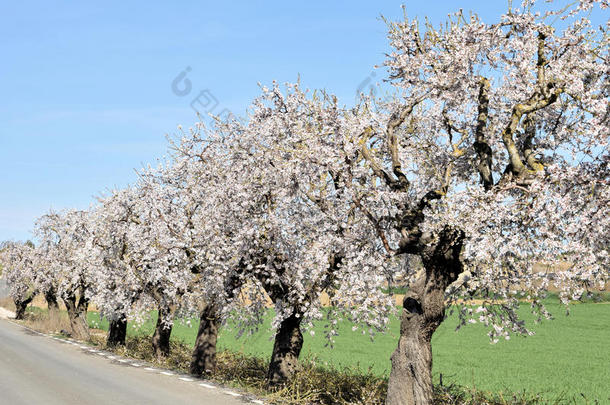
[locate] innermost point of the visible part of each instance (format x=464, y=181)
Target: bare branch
x=528, y=149
x=519, y=110
x=481, y=146
x=545, y=95
x=375, y=166
x=395, y=121
x=376, y=224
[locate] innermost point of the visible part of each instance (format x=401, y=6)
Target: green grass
x=395, y=290
x=568, y=358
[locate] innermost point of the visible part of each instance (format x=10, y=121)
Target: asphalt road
x=36, y=369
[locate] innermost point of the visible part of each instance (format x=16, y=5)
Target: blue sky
x=86, y=89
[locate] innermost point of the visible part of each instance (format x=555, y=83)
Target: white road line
x=123, y=361
x=186, y=379
x=207, y=386
x=235, y=394
x=136, y=365
x=166, y=373
x=101, y=354
x=256, y=401
x=150, y=369
x=110, y=357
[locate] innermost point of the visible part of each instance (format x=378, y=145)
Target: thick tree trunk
x=410, y=379
x=423, y=311
x=21, y=306
x=51, y=298
x=77, y=312
x=204, y=352
x=163, y=331
x=286, y=350
x=117, y=332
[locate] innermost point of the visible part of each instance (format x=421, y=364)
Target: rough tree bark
x=204, y=353
x=203, y=359
x=20, y=307
x=423, y=311
x=77, y=313
x=51, y=298
x=286, y=350
x=163, y=331
x=117, y=332
x=289, y=339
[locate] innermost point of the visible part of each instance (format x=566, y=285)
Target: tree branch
x=528, y=149
x=545, y=95
x=395, y=121
x=376, y=225
x=480, y=145
x=408, y=225
x=375, y=166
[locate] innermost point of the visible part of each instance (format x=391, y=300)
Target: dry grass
x=311, y=384
x=47, y=323
x=140, y=347
x=40, y=302
x=7, y=303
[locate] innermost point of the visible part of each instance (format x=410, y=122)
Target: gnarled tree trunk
x=77, y=313
x=117, y=332
x=286, y=350
x=21, y=306
x=51, y=298
x=163, y=331
x=423, y=311
x=204, y=352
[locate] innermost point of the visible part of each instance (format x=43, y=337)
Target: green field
x=567, y=357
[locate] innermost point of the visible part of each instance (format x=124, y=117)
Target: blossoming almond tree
x=219, y=207
x=62, y=237
x=139, y=265
x=158, y=261
x=491, y=162
x=292, y=238
x=45, y=282
x=285, y=219
x=27, y=276
x=201, y=179
x=115, y=287
x=17, y=260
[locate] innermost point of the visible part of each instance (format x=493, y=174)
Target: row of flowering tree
x=489, y=160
